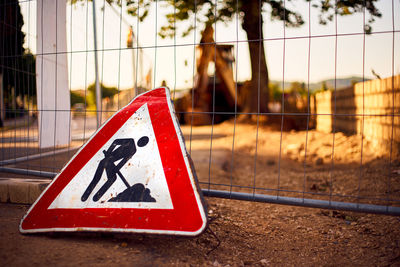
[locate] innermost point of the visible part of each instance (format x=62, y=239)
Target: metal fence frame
x=231, y=194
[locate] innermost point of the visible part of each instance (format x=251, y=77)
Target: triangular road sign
x=133, y=175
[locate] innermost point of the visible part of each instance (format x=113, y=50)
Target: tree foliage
x=209, y=11
x=105, y=90
x=76, y=98
x=250, y=14
x=90, y=99
x=17, y=65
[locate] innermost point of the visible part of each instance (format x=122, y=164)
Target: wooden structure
x=219, y=95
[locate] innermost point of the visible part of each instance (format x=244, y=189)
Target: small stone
x=124, y=244
x=292, y=149
x=264, y=262
x=314, y=187
x=319, y=161
x=216, y=263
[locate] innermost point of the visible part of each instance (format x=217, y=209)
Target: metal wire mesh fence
x=273, y=134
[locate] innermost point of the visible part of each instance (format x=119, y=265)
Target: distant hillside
x=330, y=83
x=342, y=83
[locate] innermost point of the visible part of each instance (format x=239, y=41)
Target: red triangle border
x=188, y=216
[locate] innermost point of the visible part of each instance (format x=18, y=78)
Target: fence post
x=96, y=69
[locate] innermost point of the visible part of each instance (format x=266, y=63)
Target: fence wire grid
x=306, y=116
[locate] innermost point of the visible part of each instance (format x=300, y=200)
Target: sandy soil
x=303, y=163
x=247, y=158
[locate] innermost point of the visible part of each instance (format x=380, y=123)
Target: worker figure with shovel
x=120, y=150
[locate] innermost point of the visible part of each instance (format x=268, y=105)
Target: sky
x=308, y=53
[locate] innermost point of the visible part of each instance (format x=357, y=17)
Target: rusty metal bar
x=36, y=156
x=305, y=202
x=28, y=172
x=273, y=199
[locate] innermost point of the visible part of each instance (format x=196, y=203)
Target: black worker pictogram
x=121, y=150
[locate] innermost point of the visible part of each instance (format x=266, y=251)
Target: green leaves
x=329, y=9
x=211, y=11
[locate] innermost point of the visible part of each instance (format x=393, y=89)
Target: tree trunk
x=257, y=96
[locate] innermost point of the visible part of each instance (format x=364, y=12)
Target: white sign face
x=126, y=172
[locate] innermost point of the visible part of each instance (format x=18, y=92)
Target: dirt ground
x=246, y=233
x=311, y=164
x=245, y=158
